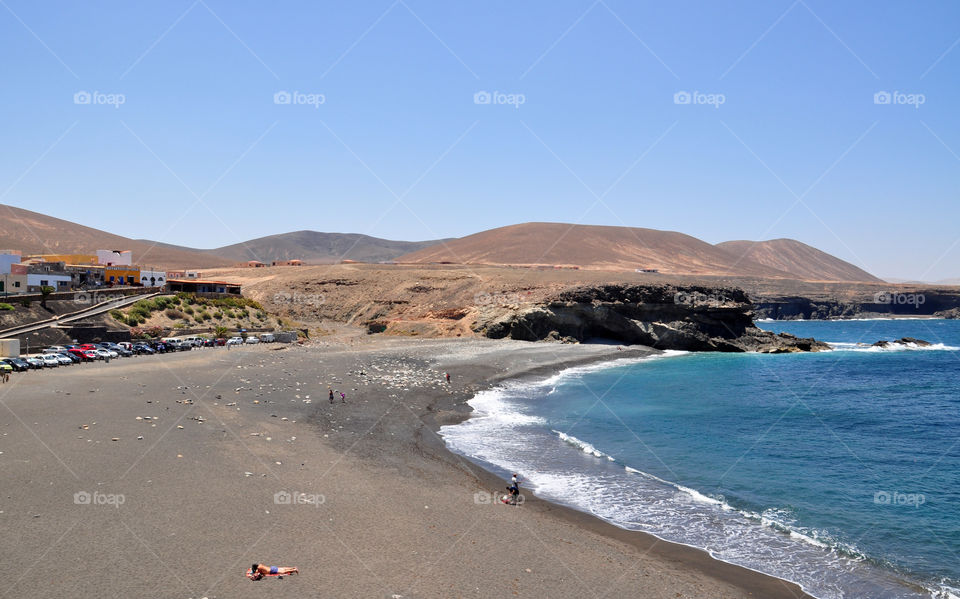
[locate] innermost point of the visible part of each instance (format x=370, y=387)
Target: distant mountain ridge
x=806, y=262
x=585, y=246
x=631, y=248
x=314, y=247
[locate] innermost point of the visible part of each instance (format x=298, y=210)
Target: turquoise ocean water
x=838, y=470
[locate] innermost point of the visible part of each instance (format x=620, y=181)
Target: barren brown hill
x=593, y=247
x=35, y=233
x=805, y=262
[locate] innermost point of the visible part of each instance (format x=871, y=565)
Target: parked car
x=235, y=341
x=183, y=345
x=64, y=359
x=35, y=363
x=143, y=348
x=252, y=339
x=103, y=354
x=83, y=356
x=126, y=345
x=90, y=355
x=210, y=342
x=267, y=338
x=50, y=360
x=17, y=364
x=4, y=367
x=116, y=347
x=88, y=347
x=55, y=349
x=220, y=342
x=106, y=346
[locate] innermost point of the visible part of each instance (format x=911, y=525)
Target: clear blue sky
x=199, y=153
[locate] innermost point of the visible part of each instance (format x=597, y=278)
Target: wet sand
x=243, y=459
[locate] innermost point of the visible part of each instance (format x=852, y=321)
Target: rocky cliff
x=690, y=318
x=858, y=303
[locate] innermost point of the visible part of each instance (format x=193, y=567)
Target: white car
x=50, y=360
x=34, y=361
x=252, y=339
x=235, y=341
x=55, y=349
x=64, y=360
x=104, y=353
x=267, y=338
x=126, y=345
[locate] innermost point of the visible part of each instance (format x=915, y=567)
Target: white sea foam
x=893, y=347
x=582, y=445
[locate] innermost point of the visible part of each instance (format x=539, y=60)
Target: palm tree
x=220, y=332
x=45, y=292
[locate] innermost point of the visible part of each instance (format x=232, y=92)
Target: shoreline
x=751, y=581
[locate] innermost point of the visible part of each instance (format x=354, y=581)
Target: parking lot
x=105, y=352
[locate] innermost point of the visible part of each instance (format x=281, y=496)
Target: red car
x=84, y=355
x=88, y=347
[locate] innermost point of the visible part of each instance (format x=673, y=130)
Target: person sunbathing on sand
x=258, y=571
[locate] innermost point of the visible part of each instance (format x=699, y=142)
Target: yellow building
x=66, y=258
x=121, y=275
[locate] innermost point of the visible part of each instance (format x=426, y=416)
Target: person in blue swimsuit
x=259, y=571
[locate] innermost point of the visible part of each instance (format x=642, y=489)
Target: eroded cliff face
x=689, y=318
x=927, y=302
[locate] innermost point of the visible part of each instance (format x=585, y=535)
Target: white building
x=58, y=282
x=114, y=257
x=153, y=278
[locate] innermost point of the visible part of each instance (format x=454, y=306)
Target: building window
x=16, y=284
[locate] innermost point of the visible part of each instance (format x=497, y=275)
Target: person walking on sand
x=258, y=571
x=447, y=374
x=331, y=395
x=343, y=397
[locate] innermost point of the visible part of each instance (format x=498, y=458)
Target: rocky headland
x=689, y=318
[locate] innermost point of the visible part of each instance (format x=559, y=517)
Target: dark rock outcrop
x=863, y=303
x=903, y=341
x=690, y=318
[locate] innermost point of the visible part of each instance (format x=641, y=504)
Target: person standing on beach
x=447, y=374
x=343, y=397
x=331, y=395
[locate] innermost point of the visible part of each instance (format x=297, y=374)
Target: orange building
x=121, y=275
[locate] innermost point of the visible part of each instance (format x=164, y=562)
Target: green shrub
x=189, y=310
x=117, y=315
x=218, y=315
x=173, y=313
x=205, y=316
x=5, y=306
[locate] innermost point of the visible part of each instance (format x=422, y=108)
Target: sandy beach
x=168, y=476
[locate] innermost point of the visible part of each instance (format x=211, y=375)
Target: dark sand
x=388, y=511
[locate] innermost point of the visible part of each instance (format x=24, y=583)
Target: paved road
x=80, y=314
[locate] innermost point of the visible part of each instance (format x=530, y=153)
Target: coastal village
x=26, y=274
